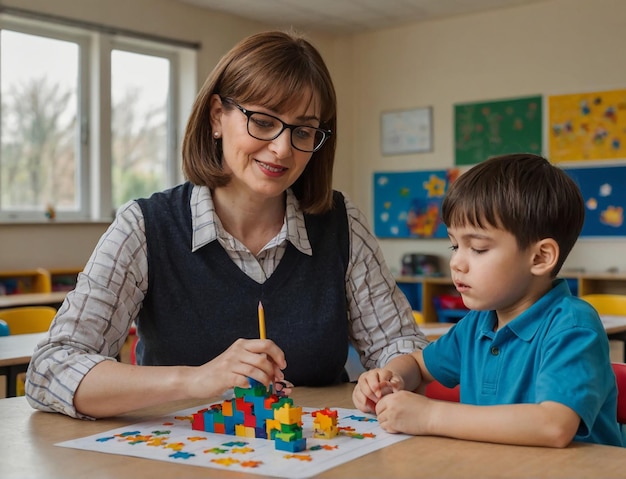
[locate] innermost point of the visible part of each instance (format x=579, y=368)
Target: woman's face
x=265, y=168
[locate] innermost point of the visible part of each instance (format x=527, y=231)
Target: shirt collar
x=204, y=221
x=526, y=325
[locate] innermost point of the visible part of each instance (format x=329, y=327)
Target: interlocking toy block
x=288, y=415
x=255, y=412
x=198, y=420
x=291, y=446
x=325, y=424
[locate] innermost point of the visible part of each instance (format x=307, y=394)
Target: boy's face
x=491, y=272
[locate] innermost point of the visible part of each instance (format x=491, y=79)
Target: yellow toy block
x=288, y=414
x=325, y=424
x=270, y=425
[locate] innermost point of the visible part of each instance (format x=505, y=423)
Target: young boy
x=532, y=360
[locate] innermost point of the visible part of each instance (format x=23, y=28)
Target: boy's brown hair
x=523, y=194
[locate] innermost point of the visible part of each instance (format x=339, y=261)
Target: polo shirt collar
x=526, y=325
x=204, y=227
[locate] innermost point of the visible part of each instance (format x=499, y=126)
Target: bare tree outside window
x=139, y=94
x=39, y=107
x=57, y=147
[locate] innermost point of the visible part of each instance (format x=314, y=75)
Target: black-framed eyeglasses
x=263, y=126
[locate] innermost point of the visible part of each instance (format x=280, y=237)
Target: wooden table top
x=435, y=330
x=614, y=324
x=18, y=348
x=28, y=438
x=32, y=299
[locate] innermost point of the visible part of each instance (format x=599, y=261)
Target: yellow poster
x=587, y=126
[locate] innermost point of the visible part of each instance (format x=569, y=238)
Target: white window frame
x=82, y=160
x=94, y=165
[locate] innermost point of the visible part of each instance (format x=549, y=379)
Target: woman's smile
x=271, y=169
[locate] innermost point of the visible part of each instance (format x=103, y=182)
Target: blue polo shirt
x=557, y=350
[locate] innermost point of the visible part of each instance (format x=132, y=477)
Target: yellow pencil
x=261, y=321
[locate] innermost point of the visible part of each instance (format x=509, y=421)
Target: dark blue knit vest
x=198, y=303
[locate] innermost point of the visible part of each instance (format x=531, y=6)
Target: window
x=88, y=122
x=39, y=128
x=139, y=126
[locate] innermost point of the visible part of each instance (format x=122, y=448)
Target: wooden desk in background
x=615, y=327
x=15, y=354
x=32, y=299
x=421, y=290
x=28, y=450
x=612, y=325
x=16, y=351
x=435, y=330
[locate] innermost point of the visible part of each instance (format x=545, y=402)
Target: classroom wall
x=559, y=46
x=553, y=47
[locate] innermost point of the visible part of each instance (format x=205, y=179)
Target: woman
x=257, y=221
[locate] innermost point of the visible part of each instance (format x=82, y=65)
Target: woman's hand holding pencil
x=258, y=359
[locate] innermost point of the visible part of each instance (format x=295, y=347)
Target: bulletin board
x=486, y=129
x=604, y=191
x=408, y=204
x=406, y=131
x=587, y=126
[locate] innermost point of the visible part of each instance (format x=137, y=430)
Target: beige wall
x=560, y=46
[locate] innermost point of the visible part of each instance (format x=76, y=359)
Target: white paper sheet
x=172, y=439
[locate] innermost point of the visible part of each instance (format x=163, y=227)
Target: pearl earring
x=216, y=134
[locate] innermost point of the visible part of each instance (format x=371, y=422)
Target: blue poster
x=408, y=204
x=604, y=191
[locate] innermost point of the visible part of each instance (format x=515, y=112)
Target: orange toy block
x=227, y=408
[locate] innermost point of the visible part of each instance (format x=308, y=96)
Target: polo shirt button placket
x=495, y=351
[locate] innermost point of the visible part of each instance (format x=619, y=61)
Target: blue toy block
x=291, y=446
x=258, y=403
x=238, y=416
x=208, y=421
x=229, y=424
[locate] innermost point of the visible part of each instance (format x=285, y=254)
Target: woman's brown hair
x=274, y=69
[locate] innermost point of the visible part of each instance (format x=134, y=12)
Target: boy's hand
x=372, y=386
x=404, y=412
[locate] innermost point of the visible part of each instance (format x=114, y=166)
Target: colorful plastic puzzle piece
x=325, y=424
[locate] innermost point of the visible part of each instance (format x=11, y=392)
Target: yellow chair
x=28, y=319
x=419, y=317
x=609, y=304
